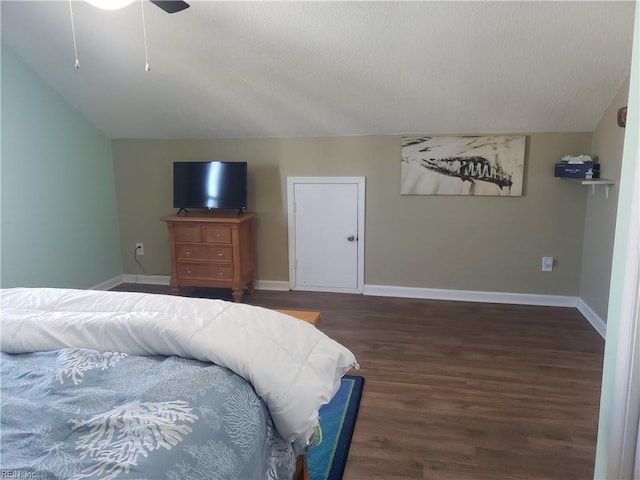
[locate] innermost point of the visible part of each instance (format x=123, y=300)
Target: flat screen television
x=210, y=185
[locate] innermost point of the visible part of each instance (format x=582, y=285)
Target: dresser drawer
x=210, y=272
x=188, y=233
x=207, y=253
x=216, y=234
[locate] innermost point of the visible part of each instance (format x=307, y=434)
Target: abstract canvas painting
x=489, y=165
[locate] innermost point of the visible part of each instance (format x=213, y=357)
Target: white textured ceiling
x=258, y=69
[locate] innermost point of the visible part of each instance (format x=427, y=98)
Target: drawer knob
x=188, y=234
x=221, y=273
x=188, y=271
x=220, y=253
x=218, y=235
x=188, y=252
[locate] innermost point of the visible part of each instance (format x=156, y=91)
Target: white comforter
x=294, y=367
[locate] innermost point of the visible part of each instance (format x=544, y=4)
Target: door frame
x=621, y=441
x=291, y=183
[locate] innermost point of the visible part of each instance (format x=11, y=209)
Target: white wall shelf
x=594, y=182
x=599, y=181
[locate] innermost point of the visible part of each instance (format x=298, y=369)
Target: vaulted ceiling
x=264, y=69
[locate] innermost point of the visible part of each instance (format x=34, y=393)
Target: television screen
x=211, y=185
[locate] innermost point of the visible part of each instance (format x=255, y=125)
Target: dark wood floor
x=461, y=391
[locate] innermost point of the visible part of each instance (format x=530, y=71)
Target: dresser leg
x=237, y=295
x=251, y=287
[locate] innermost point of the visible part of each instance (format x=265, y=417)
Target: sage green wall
x=600, y=219
x=466, y=243
x=59, y=224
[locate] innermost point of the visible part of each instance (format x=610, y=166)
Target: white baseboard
x=410, y=292
x=276, y=285
x=164, y=280
x=471, y=296
x=593, y=318
x=146, y=279
x=394, y=291
x=109, y=284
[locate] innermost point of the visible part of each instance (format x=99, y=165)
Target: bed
x=116, y=385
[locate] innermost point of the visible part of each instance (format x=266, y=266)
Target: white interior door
x=326, y=233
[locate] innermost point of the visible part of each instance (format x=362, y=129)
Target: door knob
x=351, y=238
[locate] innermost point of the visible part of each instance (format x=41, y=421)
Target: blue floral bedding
x=83, y=414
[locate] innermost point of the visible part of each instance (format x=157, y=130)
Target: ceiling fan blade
x=170, y=6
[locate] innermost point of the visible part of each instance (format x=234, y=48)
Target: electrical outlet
x=139, y=249
x=547, y=264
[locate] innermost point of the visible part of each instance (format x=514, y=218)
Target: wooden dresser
x=212, y=250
